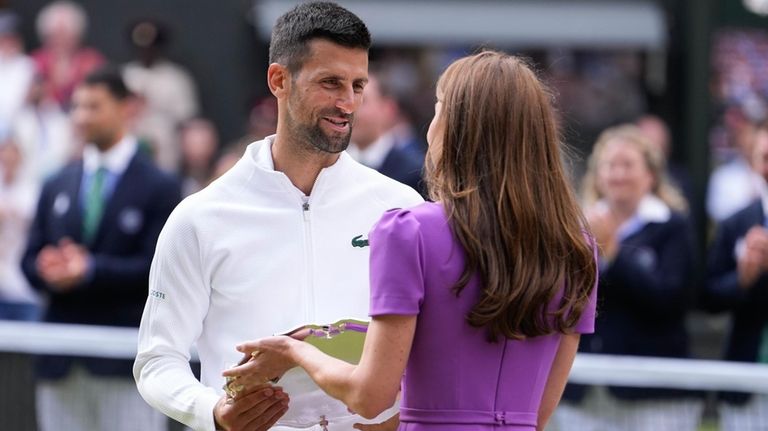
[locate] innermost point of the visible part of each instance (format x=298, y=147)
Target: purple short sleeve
x=396, y=265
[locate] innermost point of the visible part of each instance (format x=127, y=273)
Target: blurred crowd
x=636, y=200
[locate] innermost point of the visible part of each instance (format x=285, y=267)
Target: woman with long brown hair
x=479, y=297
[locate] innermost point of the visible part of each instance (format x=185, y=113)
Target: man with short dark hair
x=375, y=143
x=89, y=250
x=276, y=242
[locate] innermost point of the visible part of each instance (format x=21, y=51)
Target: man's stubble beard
x=312, y=137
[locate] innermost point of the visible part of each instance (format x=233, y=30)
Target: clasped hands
x=63, y=266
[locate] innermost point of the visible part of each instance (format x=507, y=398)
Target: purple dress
x=454, y=379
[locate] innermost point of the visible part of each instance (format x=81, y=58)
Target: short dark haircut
x=316, y=20
x=109, y=77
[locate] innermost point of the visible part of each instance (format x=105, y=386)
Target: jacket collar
x=259, y=155
x=651, y=209
x=115, y=160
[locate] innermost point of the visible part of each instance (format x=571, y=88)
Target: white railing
x=115, y=342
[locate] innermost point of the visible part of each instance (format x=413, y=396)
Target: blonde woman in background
x=646, y=255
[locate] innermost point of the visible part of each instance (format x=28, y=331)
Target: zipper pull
x=305, y=208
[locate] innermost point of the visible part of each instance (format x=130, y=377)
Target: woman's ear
x=278, y=80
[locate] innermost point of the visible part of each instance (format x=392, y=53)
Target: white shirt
x=17, y=210
x=651, y=209
x=115, y=159
x=45, y=134
x=242, y=259
x=16, y=73
x=732, y=187
x=376, y=153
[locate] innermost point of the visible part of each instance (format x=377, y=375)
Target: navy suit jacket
x=121, y=253
x=724, y=294
x=404, y=165
x=642, y=301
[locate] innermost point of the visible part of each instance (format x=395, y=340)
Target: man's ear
x=278, y=80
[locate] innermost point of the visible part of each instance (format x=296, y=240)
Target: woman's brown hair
x=496, y=166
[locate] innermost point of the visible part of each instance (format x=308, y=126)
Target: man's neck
x=103, y=147
x=300, y=164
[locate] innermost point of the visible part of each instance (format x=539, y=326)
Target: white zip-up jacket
x=248, y=257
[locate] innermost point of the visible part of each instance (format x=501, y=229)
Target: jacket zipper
x=309, y=293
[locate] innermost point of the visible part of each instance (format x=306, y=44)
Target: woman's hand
x=604, y=225
x=265, y=360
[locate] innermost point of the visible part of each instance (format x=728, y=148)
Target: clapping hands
x=754, y=260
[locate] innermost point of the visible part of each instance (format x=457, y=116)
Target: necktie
x=94, y=205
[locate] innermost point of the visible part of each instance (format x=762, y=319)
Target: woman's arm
x=558, y=377
x=368, y=388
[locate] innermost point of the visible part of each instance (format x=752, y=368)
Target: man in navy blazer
x=374, y=142
x=738, y=281
x=90, y=249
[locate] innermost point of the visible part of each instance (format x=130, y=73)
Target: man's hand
x=754, y=260
x=63, y=267
x=52, y=267
x=390, y=424
x=251, y=410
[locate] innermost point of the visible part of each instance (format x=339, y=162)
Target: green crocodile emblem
x=358, y=242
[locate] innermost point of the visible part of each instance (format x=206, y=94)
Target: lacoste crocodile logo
x=359, y=242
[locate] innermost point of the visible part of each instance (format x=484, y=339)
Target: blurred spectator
x=646, y=257
x=262, y=120
x=199, y=145
x=16, y=70
x=18, y=197
x=738, y=282
x=167, y=90
x=732, y=185
x=657, y=133
x=373, y=142
x=61, y=60
x=227, y=159
x=90, y=248
x=44, y=134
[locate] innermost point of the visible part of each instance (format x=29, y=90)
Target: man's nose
x=347, y=100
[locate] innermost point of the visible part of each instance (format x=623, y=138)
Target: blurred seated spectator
x=62, y=60
x=646, y=257
x=738, y=282
x=16, y=70
x=18, y=197
x=732, y=185
x=44, y=133
x=167, y=91
x=199, y=146
x=373, y=142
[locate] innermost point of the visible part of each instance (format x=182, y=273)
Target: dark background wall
x=212, y=39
